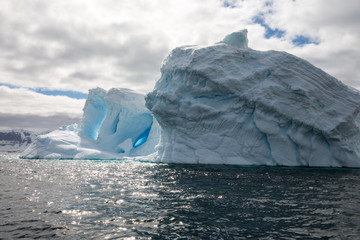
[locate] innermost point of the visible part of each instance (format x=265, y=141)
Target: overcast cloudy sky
x=64, y=48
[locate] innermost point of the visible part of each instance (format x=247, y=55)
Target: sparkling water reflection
x=82, y=199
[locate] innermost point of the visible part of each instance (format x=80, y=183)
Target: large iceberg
x=115, y=124
x=229, y=104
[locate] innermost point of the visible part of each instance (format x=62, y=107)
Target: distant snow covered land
x=15, y=140
x=220, y=104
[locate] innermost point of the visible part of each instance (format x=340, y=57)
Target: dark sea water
x=80, y=199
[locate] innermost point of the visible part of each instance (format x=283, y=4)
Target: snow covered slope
x=115, y=124
x=15, y=140
x=229, y=104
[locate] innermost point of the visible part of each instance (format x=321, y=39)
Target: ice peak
x=237, y=39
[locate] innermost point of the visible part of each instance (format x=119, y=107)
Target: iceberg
x=115, y=124
x=229, y=104
x=219, y=104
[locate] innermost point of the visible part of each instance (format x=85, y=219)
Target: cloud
x=333, y=28
x=25, y=102
x=34, y=122
x=25, y=109
x=78, y=45
x=85, y=44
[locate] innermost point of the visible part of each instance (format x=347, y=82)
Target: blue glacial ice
x=229, y=104
x=115, y=124
x=220, y=104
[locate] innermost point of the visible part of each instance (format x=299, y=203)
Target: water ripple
x=50, y=199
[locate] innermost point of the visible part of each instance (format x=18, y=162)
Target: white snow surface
x=115, y=124
x=229, y=104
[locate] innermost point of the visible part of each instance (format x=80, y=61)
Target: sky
x=53, y=52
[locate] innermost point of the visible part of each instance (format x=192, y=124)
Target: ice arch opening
x=142, y=138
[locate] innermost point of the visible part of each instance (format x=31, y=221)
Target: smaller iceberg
x=115, y=124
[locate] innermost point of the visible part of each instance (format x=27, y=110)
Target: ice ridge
x=237, y=39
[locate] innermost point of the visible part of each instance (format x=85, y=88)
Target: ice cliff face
x=115, y=124
x=229, y=104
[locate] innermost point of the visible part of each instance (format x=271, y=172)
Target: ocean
x=128, y=199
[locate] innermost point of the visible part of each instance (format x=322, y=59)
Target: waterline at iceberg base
x=229, y=104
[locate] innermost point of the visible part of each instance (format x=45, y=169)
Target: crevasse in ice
x=229, y=104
